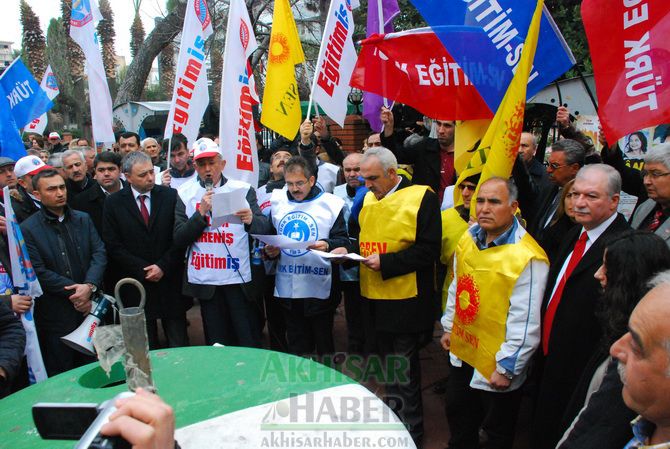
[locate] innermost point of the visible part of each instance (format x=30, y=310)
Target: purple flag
x=372, y=103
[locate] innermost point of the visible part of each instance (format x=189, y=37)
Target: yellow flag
x=468, y=133
x=499, y=147
x=281, y=103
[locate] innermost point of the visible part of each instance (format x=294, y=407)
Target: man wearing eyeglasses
x=652, y=215
x=304, y=280
x=565, y=160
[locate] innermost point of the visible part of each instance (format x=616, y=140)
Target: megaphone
x=81, y=339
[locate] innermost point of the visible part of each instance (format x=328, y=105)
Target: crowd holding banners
x=418, y=71
x=495, y=32
x=147, y=229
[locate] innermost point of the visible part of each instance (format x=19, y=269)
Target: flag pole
x=381, y=25
x=318, y=62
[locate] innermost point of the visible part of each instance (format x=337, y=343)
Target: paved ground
x=434, y=365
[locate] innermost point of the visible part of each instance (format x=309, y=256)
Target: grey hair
x=573, y=150
x=146, y=141
x=534, y=140
x=84, y=149
x=613, y=176
x=133, y=158
x=658, y=154
x=350, y=155
x=55, y=160
x=512, y=190
x=384, y=155
x=67, y=153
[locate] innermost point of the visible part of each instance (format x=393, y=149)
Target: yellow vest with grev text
x=485, y=281
x=388, y=226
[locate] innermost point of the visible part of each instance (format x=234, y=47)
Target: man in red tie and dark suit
x=138, y=224
x=569, y=328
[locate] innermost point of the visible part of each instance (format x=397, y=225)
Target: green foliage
x=568, y=17
x=56, y=51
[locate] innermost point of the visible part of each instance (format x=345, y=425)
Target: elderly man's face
x=592, y=203
x=494, y=211
x=210, y=168
x=527, y=147
x=643, y=357
x=657, y=182
x=378, y=180
x=75, y=168
x=152, y=149
x=351, y=166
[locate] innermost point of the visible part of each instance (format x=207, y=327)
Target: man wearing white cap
x=23, y=201
x=55, y=143
x=218, y=267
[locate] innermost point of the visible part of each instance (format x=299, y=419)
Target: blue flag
x=27, y=100
x=11, y=145
x=485, y=37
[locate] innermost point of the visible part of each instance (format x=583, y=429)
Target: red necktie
x=656, y=222
x=143, y=210
x=577, y=254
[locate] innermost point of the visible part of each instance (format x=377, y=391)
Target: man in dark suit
x=107, y=168
x=652, y=214
x=570, y=331
x=137, y=229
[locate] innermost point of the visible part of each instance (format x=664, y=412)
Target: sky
x=47, y=9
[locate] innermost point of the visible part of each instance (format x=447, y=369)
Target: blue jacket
x=55, y=270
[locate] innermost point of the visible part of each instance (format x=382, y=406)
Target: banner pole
x=318, y=61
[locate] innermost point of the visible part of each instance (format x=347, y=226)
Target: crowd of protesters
x=538, y=281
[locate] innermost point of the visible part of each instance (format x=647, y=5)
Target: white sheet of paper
x=325, y=255
x=225, y=204
x=627, y=204
x=283, y=242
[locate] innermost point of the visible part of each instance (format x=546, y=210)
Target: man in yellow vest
x=492, y=319
x=400, y=239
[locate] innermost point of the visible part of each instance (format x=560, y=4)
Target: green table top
x=198, y=382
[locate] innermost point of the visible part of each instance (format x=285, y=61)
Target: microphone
x=209, y=184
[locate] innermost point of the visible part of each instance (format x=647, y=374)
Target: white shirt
x=147, y=200
x=107, y=192
x=395, y=188
x=591, y=236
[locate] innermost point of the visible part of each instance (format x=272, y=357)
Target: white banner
x=238, y=94
x=190, y=96
x=337, y=58
x=25, y=282
x=84, y=19
x=50, y=86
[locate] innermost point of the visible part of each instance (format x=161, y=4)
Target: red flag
x=418, y=71
x=630, y=51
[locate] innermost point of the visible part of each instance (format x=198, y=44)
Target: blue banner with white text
x=27, y=100
x=485, y=37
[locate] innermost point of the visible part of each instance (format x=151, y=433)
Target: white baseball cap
x=29, y=165
x=54, y=135
x=205, y=147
